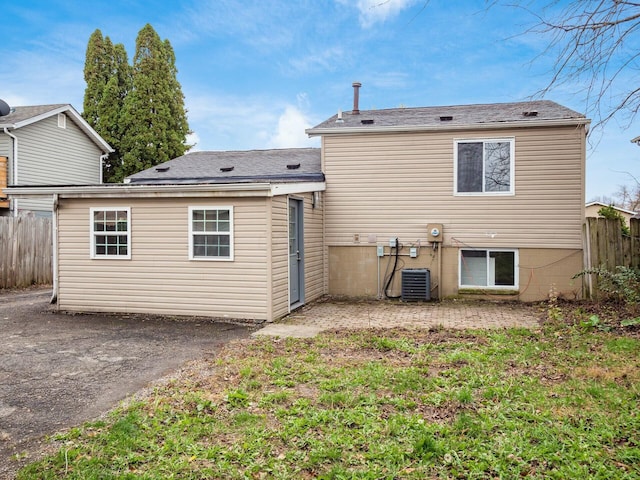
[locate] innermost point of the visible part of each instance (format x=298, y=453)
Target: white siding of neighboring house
x=592, y=211
x=389, y=185
x=159, y=277
x=50, y=155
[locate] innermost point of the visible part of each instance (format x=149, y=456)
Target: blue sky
x=256, y=73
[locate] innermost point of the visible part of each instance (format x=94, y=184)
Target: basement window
x=110, y=233
x=211, y=233
x=494, y=269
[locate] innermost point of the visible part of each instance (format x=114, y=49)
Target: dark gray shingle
x=277, y=165
x=460, y=115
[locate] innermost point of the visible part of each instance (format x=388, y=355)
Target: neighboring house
x=592, y=209
x=502, y=186
x=220, y=234
x=488, y=198
x=47, y=145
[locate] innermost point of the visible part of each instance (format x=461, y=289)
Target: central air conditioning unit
x=416, y=284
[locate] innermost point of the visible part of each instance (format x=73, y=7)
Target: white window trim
x=516, y=267
x=231, y=236
x=512, y=166
x=62, y=120
x=93, y=234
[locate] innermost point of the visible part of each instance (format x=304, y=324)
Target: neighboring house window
x=110, y=233
x=211, y=233
x=488, y=268
x=62, y=120
x=484, y=166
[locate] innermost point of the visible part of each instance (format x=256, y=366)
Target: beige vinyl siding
x=313, y=250
x=387, y=185
x=280, y=255
x=159, y=277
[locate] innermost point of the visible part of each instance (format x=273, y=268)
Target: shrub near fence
x=25, y=251
x=605, y=246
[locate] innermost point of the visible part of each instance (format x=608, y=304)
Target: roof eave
x=81, y=122
x=442, y=128
x=141, y=191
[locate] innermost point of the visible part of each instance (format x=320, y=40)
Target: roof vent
x=356, y=98
x=293, y=166
x=226, y=169
x=532, y=113
x=162, y=168
x=339, y=119
x=446, y=118
x=367, y=122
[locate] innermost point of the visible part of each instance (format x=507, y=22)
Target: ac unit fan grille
x=416, y=284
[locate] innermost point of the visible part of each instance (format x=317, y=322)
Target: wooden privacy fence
x=606, y=246
x=25, y=251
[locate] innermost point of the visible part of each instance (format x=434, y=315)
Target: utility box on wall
x=434, y=232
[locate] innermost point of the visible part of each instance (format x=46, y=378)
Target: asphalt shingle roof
x=277, y=165
x=454, y=116
x=20, y=114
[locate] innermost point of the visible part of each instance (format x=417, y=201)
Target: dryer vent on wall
x=416, y=284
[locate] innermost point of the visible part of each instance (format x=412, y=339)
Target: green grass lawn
x=388, y=404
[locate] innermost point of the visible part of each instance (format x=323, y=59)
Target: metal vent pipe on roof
x=356, y=98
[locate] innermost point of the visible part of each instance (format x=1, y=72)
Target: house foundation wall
x=357, y=271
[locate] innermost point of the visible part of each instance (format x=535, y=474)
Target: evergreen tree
x=154, y=119
x=96, y=75
x=108, y=76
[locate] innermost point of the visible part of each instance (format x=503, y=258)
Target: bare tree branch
x=596, y=44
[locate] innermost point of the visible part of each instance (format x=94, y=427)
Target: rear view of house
x=46, y=145
x=411, y=203
x=488, y=198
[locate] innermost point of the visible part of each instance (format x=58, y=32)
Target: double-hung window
x=495, y=268
x=484, y=166
x=211, y=233
x=110, y=233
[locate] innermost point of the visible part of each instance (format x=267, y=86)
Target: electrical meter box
x=434, y=232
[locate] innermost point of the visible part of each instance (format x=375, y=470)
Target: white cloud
x=193, y=139
x=327, y=60
x=230, y=122
x=378, y=11
x=290, y=131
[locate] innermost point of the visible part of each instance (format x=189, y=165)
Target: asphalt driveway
x=58, y=370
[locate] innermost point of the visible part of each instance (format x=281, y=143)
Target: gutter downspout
x=102, y=159
x=54, y=256
x=14, y=168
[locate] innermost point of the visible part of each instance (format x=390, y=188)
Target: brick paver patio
x=332, y=314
